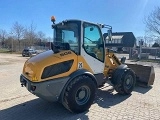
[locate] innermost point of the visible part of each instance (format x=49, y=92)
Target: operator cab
x=66, y=36
x=80, y=37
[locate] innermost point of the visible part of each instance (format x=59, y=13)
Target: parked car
x=28, y=52
x=113, y=50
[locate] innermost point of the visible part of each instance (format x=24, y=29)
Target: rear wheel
x=79, y=94
x=30, y=55
x=124, y=82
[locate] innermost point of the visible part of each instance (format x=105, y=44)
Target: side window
x=66, y=37
x=93, y=41
x=69, y=37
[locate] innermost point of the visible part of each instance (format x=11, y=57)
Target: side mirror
x=110, y=35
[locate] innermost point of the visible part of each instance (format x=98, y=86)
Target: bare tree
x=153, y=24
x=3, y=36
x=139, y=38
x=30, y=34
x=18, y=31
x=50, y=40
x=40, y=37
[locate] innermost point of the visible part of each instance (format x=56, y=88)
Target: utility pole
x=12, y=45
x=12, y=41
x=140, y=45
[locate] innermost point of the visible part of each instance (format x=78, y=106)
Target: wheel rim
x=128, y=81
x=82, y=95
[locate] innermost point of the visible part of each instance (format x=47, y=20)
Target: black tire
x=79, y=94
x=125, y=82
x=30, y=55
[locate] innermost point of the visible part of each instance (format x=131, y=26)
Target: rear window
x=25, y=50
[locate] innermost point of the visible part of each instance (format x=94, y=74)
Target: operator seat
x=65, y=46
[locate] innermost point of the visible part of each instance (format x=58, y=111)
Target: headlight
x=31, y=75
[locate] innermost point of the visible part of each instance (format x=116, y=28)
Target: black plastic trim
x=56, y=69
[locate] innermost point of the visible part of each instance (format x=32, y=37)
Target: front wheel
x=79, y=94
x=125, y=82
x=30, y=55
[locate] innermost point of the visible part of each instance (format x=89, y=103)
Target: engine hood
x=33, y=67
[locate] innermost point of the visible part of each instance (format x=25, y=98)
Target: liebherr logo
x=65, y=53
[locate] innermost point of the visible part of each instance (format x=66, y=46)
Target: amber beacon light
x=53, y=19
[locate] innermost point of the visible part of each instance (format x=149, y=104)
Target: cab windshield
x=66, y=36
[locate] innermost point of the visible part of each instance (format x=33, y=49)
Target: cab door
x=93, y=47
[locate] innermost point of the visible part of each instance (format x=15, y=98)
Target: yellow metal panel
x=111, y=63
x=36, y=65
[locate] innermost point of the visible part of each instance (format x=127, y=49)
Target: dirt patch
x=7, y=59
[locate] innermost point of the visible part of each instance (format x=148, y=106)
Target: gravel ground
x=16, y=103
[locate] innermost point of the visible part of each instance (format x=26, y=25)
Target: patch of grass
x=134, y=60
x=147, y=60
x=151, y=60
x=9, y=51
x=4, y=51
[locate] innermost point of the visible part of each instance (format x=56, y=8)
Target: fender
x=83, y=72
x=119, y=71
x=74, y=75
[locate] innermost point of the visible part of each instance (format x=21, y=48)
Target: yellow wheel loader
x=77, y=65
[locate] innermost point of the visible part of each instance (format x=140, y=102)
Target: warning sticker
x=80, y=65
